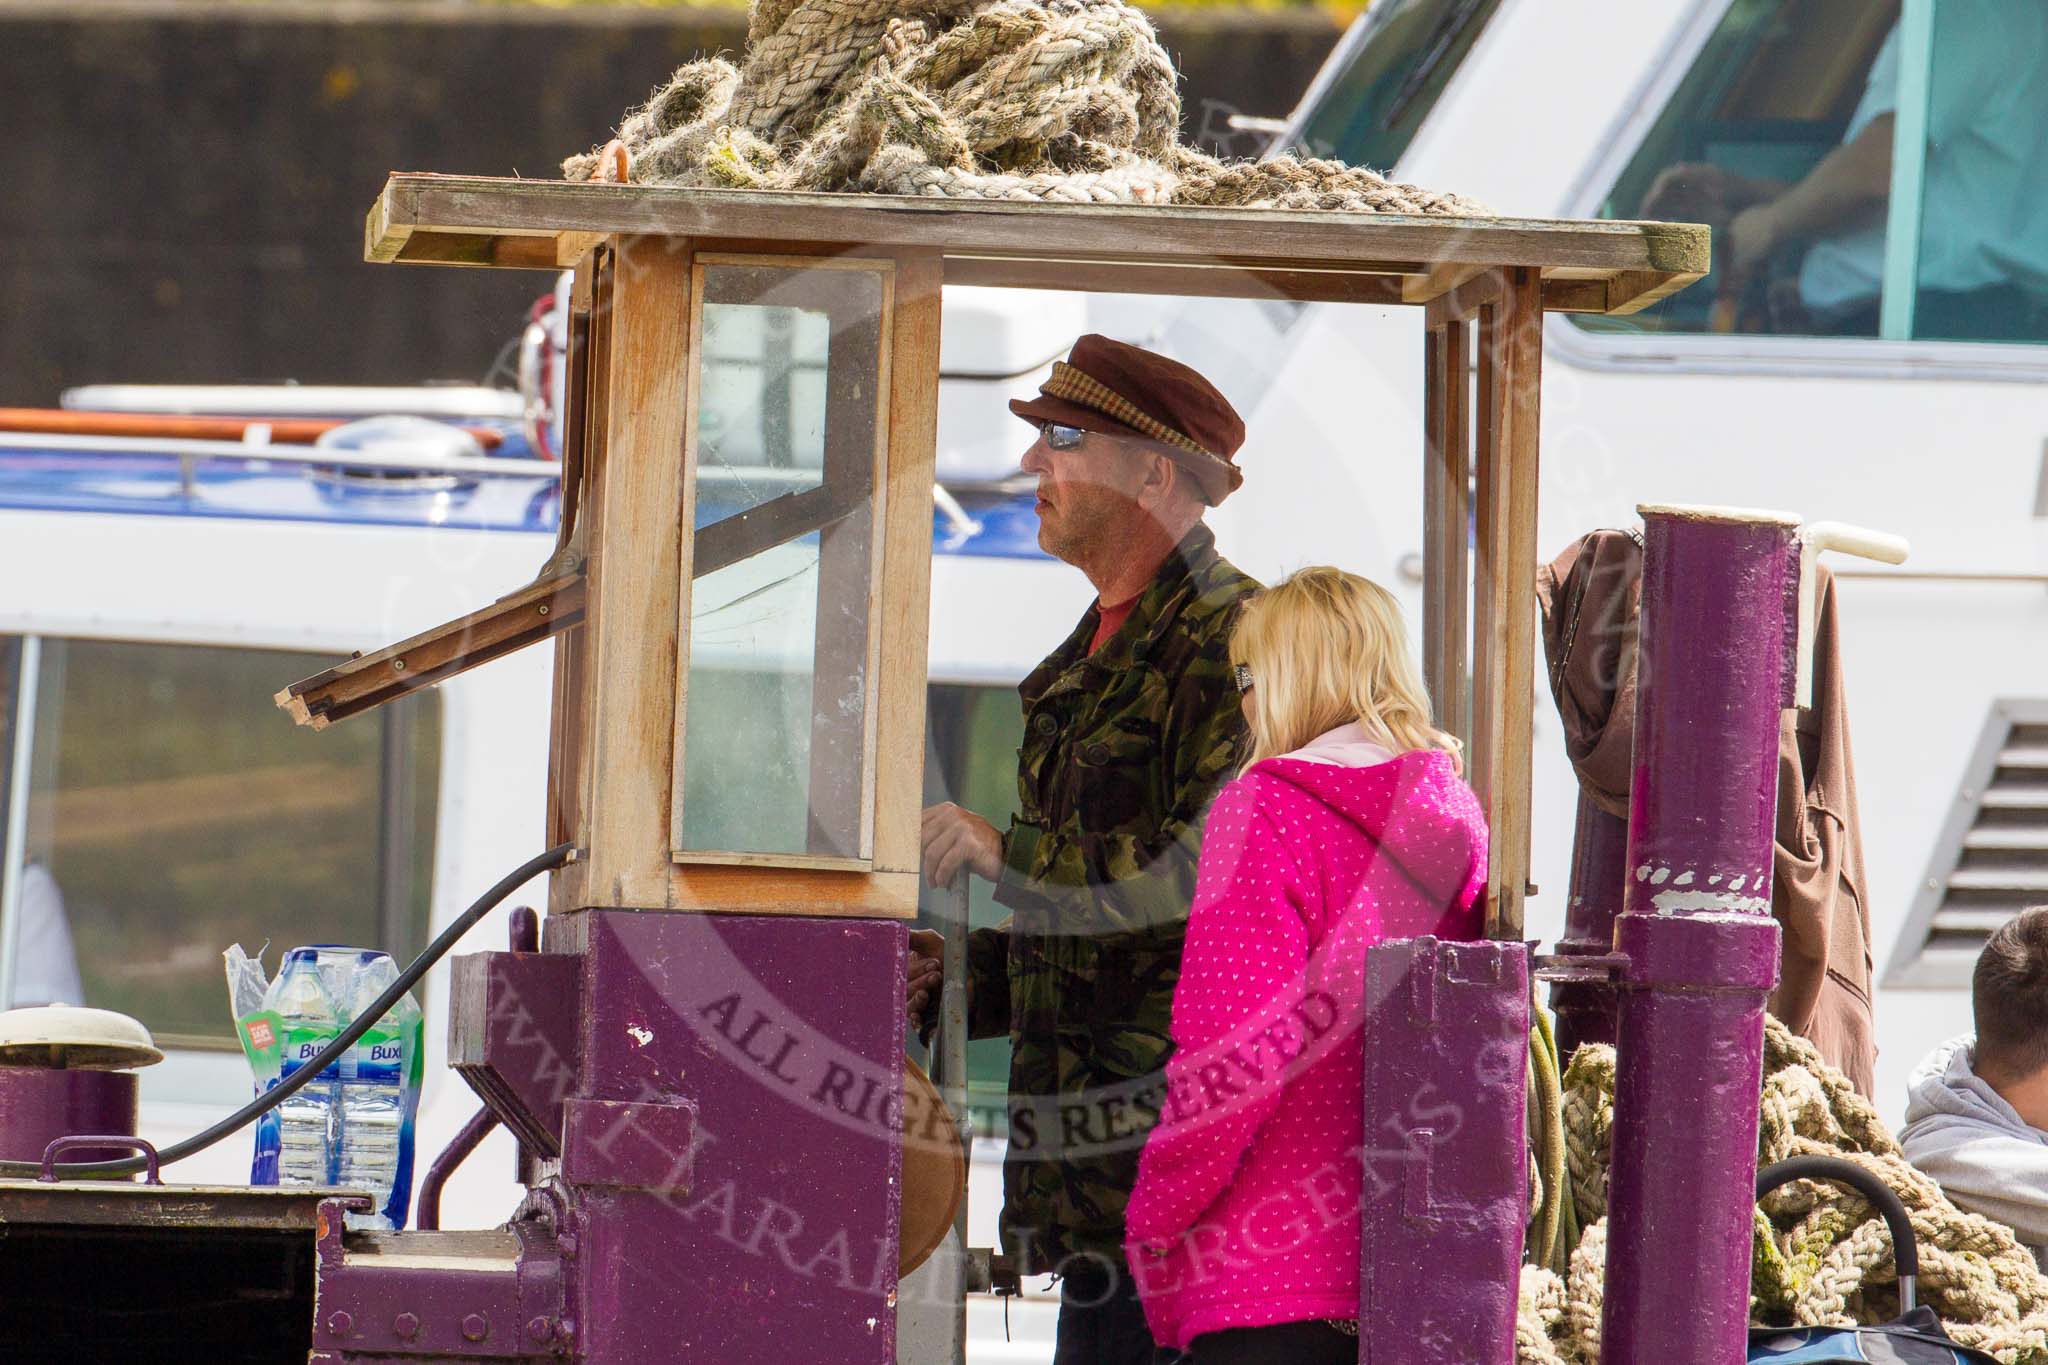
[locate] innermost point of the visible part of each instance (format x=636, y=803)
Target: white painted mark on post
x=1677, y=902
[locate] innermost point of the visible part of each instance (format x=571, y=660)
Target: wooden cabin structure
x=655, y=267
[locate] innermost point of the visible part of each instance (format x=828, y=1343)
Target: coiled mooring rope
x=1823, y=1257
x=1068, y=101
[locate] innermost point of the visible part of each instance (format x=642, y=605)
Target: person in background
x=1983, y=229
x=46, y=964
x=1977, y=1107
x=1350, y=825
x=1130, y=727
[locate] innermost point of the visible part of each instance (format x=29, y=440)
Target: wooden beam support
x=905, y=616
x=1463, y=302
x=1631, y=291
x=1511, y=359
x=1564, y=295
x=1221, y=281
x=582, y=448
x=506, y=251
x=1486, y=510
x=528, y=616
x=1446, y=532
x=1439, y=280
x=457, y=220
x=635, y=510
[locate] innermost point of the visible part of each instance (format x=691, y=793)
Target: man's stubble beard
x=1087, y=530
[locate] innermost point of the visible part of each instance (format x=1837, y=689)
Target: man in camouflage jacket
x=1131, y=727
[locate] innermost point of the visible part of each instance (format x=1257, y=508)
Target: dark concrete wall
x=182, y=186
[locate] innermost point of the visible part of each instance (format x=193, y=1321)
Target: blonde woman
x=1349, y=825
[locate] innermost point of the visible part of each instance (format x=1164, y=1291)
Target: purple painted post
x=1446, y=1197
x=1585, y=1009
x=41, y=1104
x=1717, y=639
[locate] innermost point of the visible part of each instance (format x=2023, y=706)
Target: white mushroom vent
x=73, y=1037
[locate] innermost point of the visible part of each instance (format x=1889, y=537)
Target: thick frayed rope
x=1066, y=101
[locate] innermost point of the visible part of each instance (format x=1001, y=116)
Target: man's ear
x=1160, y=481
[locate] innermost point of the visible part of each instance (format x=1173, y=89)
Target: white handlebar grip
x=1845, y=539
x=1853, y=540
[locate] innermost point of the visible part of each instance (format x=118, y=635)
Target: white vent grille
x=1992, y=859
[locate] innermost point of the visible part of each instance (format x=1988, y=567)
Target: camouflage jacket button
x=1045, y=724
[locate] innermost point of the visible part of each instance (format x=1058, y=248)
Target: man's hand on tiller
x=923, y=974
x=952, y=839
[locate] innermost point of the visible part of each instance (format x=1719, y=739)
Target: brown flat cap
x=1123, y=390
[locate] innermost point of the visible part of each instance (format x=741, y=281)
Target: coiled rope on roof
x=1822, y=1254
x=1067, y=101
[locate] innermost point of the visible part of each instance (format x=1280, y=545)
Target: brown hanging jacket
x=1590, y=596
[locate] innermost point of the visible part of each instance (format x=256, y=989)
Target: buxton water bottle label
x=380, y=1057
x=302, y=1044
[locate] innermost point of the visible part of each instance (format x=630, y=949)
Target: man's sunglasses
x=1058, y=437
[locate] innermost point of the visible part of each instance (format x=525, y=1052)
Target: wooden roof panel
x=1596, y=265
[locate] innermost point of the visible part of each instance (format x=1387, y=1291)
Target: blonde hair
x=1327, y=648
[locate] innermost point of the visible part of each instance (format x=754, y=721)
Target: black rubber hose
x=346, y=1039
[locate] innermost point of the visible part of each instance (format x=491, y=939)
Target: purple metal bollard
x=40, y=1104
x=1717, y=642
x=1586, y=1009
x=1446, y=1195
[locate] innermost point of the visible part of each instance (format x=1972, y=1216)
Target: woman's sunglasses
x=1058, y=437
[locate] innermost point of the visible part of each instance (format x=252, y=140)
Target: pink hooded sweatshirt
x=1245, y=1212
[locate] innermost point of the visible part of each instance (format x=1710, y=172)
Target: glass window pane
x=747, y=714
x=1982, y=272
x=1370, y=113
x=1779, y=138
x=761, y=419
x=777, y=707
x=174, y=811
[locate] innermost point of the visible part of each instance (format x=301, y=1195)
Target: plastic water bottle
x=375, y=1148
x=302, y=999
x=352, y=1125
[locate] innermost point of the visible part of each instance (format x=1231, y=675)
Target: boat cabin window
x=166, y=813
x=1782, y=135
x=785, y=459
x=1392, y=73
